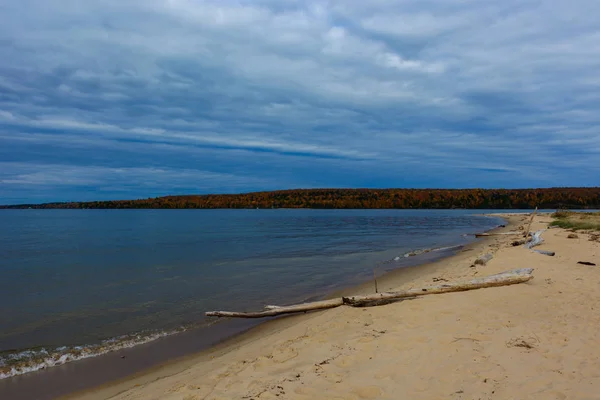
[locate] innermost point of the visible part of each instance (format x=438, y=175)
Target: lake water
x=79, y=283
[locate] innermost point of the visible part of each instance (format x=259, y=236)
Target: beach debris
x=440, y=280
x=502, y=279
x=536, y=239
x=594, y=237
x=505, y=278
x=483, y=259
x=456, y=339
x=586, y=263
x=518, y=242
x=546, y=252
x=530, y=221
x=520, y=342
x=316, y=305
x=572, y=236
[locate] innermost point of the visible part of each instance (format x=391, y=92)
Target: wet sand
x=536, y=340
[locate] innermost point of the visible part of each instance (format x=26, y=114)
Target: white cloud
x=69, y=175
x=395, y=61
x=258, y=142
x=418, y=25
x=7, y=116
x=450, y=84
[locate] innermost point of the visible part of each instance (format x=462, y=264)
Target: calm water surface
x=77, y=283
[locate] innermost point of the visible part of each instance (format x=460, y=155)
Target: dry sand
x=537, y=340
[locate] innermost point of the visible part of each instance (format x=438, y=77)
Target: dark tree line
x=363, y=198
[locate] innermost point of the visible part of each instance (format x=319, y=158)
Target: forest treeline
x=554, y=198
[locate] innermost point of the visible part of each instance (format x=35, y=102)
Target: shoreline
x=534, y=340
x=435, y=252
x=275, y=326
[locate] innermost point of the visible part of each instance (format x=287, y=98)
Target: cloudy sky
x=114, y=99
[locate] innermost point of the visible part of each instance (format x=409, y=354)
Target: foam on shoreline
x=21, y=362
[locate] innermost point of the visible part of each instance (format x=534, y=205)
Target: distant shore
x=500, y=199
x=533, y=340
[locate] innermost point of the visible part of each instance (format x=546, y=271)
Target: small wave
x=21, y=362
x=424, y=251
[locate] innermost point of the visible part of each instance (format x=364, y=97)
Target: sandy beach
x=536, y=340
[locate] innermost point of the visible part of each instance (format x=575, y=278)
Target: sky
x=126, y=99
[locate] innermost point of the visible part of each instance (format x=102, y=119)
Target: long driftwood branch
x=530, y=221
x=505, y=278
x=275, y=310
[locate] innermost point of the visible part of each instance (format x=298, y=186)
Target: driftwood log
x=502, y=279
x=505, y=278
x=536, y=240
x=482, y=260
x=546, y=253
x=586, y=263
x=272, y=311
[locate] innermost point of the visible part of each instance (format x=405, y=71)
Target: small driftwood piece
x=506, y=278
x=586, y=263
x=275, y=310
x=482, y=260
x=546, y=253
x=503, y=279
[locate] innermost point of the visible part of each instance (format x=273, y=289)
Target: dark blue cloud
x=112, y=99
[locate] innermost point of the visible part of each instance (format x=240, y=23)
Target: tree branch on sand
x=505, y=278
